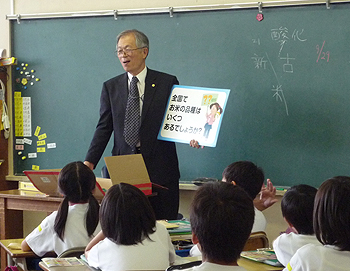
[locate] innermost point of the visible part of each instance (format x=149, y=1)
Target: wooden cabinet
x=4, y=144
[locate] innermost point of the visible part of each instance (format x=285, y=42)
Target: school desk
x=73, y=268
x=84, y=267
x=247, y=264
x=15, y=255
x=64, y=268
x=12, y=205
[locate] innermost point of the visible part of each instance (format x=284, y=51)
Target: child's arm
x=99, y=237
x=267, y=196
x=25, y=246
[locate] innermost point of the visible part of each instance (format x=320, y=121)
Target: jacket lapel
x=150, y=91
x=123, y=84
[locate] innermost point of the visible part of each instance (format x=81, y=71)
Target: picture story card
x=194, y=113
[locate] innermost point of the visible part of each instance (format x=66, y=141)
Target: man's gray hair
x=141, y=38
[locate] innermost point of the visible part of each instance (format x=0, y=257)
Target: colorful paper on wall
x=23, y=118
x=27, y=116
x=18, y=114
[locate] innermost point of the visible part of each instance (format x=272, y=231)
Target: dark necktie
x=132, y=115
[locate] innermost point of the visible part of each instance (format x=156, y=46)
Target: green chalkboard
x=288, y=110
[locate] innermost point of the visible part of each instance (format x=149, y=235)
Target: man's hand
x=194, y=144
x=89, y=164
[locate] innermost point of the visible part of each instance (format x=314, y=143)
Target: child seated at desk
x=76, y=221
x=250, y=177
x=130, y=239
x=222, y=216
x=332, y=228
x=297, y=209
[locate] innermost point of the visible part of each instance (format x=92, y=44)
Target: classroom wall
x=4, y=25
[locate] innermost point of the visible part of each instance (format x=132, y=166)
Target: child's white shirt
x=155, y=254
x=287, y=244
x=259, y=221
x=215, y=267
x=319, y=258
x=44, y=238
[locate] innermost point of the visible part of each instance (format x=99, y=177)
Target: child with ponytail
x=76, y=221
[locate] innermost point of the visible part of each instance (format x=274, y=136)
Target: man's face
x=133, y=61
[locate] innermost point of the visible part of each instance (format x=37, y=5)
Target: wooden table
x=12, y=205
x=66, y=268
x=247, y=264
x=74, y=268
x=14, y=255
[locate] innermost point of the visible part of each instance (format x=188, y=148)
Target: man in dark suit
x=154, y=89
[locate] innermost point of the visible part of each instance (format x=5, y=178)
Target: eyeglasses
x=126, y=51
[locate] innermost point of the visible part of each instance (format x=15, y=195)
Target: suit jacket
x=160, y=156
